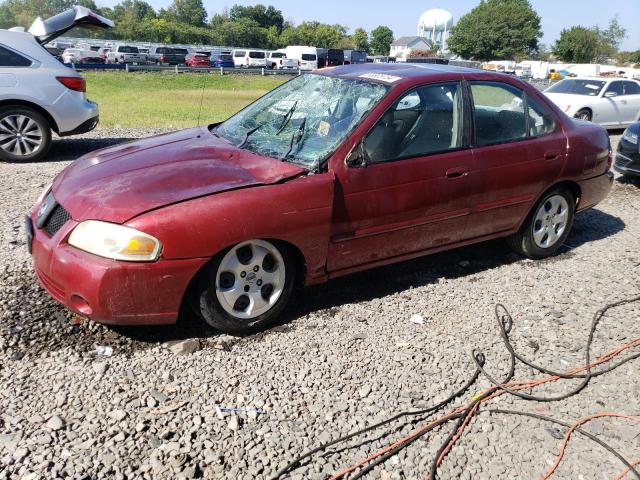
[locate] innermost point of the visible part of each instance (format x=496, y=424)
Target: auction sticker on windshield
x=381, y=77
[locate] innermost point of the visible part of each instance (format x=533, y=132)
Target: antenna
x=204, y=77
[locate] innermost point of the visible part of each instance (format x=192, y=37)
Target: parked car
x=369, y=165
x=612, y=103
x=162, y=55
x=145, y=52
x=125, y=54
x=56, y=52
x=354, y=56
x=76, y=55
x=221, y=59
x=38, y=93
x=307, y=56
x=197, y=60
x=279, y=61
x=249, y=58
x=103, y=52
x=627, y=160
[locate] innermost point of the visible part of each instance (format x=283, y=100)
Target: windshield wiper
x=296, y=137
x=287, y=117
x=248, y=134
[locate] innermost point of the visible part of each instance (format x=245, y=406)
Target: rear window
x=591, y=88
x=225, y=57
x=127, y=49
x=277, y=55
x=309, y=57
x=12, y=59
x=239, y=53
x=181, y=51
x=256, y=54
x=164, y=50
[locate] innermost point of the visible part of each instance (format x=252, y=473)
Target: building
x=402, y=47
x=433, y=29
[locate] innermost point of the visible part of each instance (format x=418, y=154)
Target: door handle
x=551, y=155
x=624, y=102
x=457, y=172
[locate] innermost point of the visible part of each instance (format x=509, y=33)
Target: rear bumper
x=594, y=190
x=109, y=291
x=84, y=127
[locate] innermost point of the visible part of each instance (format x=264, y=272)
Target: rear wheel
x=247, y=287
x=25, y=135
x=547, y=226
x=584, y=114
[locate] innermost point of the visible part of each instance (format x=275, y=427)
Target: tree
x=585, y=45
x=497, y=29
x=628, y=58
x=360, y=40
x=264, y=16
x=381, y=40
x=188, y=12
x=577, y=45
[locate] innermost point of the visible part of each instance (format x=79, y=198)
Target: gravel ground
x=346, y=356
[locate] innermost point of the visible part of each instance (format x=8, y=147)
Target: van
x=249, y=58
x=307, y=56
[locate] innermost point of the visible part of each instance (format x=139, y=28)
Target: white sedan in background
x=612, y=103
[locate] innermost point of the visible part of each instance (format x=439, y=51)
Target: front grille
x=56, y=220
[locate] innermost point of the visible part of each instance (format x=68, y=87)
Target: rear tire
x=584, y=114
x=25, y=135
x=547, y=226
x=246, y=287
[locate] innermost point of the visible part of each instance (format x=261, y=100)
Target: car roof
x=404, y=73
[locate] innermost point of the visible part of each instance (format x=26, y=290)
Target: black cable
x=295, y=462
x=606, y=446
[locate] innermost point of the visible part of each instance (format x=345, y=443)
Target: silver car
x=38, y=94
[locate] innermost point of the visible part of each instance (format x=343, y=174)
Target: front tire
x=247, y=287
x=547, y=226
x=25, y=135
x=584, y=114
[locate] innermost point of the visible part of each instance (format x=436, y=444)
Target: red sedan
x=197, y=60
x=331, y=173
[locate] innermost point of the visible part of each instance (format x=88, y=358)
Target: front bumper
x=110, y=291
x=627, y=165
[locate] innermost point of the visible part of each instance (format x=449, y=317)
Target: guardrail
x=183, y=69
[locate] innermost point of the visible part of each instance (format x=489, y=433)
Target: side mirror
x=610, y=94
x=357, y=157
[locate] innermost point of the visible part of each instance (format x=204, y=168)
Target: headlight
x=630, y=137
x=44, y=193
x=115, y=241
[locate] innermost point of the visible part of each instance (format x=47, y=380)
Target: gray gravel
x=346, y=356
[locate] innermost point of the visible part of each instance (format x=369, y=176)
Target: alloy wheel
x=250, y=279
x=20, y=135
x=550, y=221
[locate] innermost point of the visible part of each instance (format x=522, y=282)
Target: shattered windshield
x=304, y=120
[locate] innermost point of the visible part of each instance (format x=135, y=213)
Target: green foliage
x=360, y=40
x=265, y=17
x=628, y=58
x=381, y=39
x=188, y=12
x=577, y=45
x=497, y=29
x=585, y=45
x=185, y=21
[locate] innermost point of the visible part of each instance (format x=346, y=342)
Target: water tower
x=435, y=25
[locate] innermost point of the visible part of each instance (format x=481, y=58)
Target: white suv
x=39, y=94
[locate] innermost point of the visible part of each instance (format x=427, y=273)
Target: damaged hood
x=118, y=183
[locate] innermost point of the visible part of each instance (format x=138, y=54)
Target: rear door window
x=498, y=113
x=631, y=88
x=540, y=119
x=9, y=58
x=615, y=87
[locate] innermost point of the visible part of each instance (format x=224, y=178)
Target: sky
x=402, y=17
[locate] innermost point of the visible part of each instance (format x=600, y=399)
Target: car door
x=613, y=104
x=630, y=102
x=414, y=192
x=516, y=156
